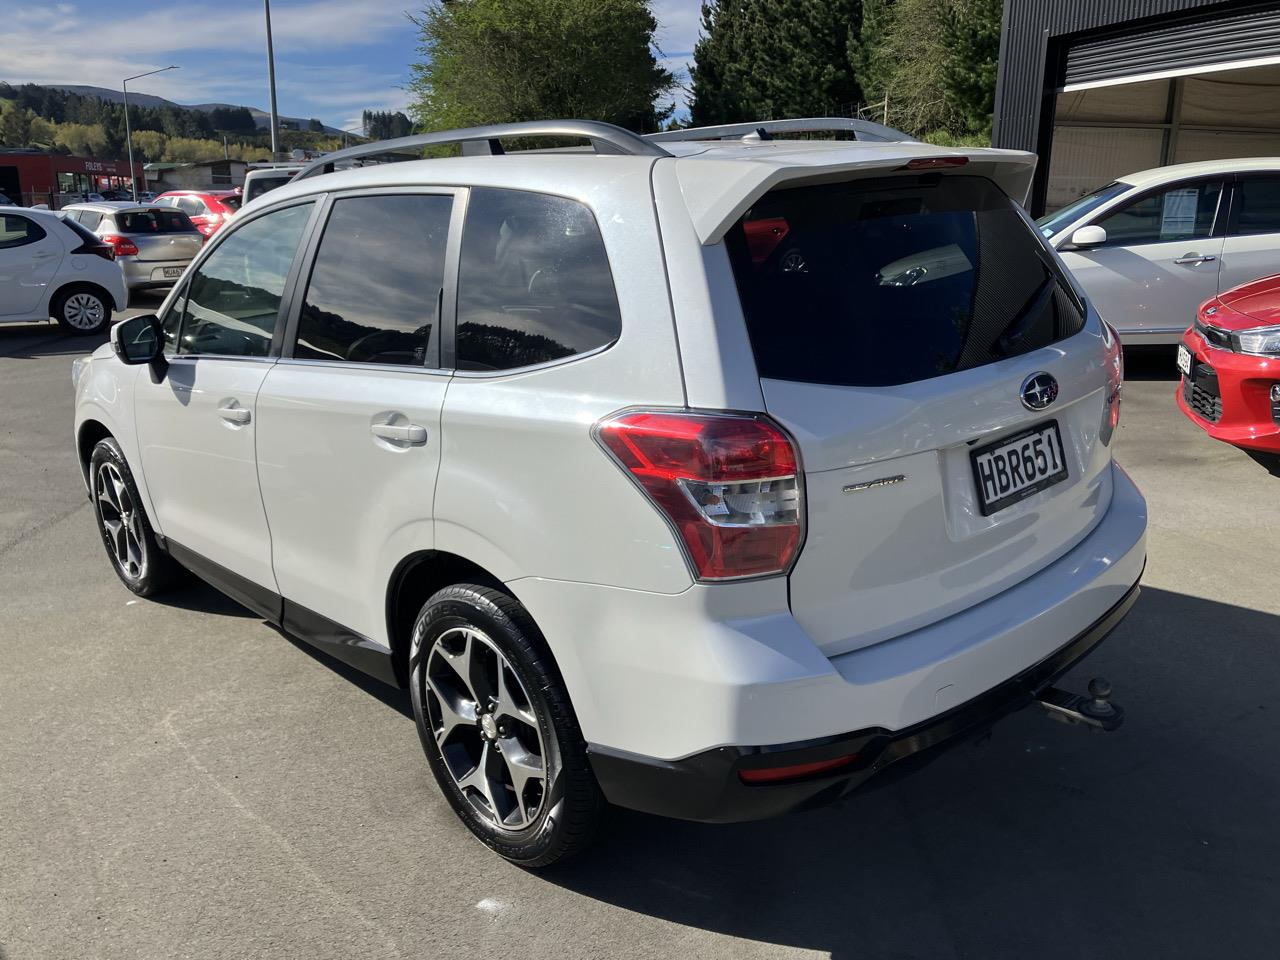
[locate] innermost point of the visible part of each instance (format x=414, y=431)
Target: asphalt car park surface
x=178, y=779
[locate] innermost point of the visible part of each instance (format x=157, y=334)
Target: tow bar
x=1095, y=711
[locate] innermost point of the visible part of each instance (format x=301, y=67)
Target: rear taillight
x=1114, y=362
x=728, y=484
x=123, y=246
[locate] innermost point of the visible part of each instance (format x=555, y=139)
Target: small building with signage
x=28, y=177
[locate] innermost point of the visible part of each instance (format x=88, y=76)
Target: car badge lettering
x=878, y=482
x=1039, y=390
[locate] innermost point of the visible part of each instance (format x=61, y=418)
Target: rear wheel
x=126, y=532
x=498, y=729
x=82, y=310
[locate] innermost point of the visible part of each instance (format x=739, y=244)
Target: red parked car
x=208, y=209
x=1230, y=365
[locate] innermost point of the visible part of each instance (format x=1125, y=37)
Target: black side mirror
x=138, y=340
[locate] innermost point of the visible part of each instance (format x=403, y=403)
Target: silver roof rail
x=605, y=137
x=861, y=129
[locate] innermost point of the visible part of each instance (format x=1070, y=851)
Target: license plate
x=1184, y=360
x=1013, y=469
x=172, y=273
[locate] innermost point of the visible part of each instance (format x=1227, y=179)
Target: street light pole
x=271, y=77
x=128, y=132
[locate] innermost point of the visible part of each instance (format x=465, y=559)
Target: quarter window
x=18, y=232
x=233, y=299
x=375, y=289
x=89, y=219
x=534, y=282
x=1184, y=212
x=1258, y=202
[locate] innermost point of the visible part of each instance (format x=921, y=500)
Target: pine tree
x=772, y=59
x=972, y=36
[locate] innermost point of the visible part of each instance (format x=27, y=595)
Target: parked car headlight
x=1262, y=341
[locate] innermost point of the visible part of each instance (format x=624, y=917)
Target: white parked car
x=653, y=473
x=1151, y=247
x=51, y=267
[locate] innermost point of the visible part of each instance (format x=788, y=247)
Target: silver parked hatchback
x=153, y=245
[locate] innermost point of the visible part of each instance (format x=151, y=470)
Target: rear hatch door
x=922, y=346
x=160, y=233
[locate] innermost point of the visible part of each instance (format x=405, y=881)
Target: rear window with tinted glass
x=891, y=281
x=231, y=202
x=154, y=221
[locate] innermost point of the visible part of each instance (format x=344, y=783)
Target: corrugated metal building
x=1100, y=88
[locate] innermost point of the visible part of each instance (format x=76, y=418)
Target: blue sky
x=334, y=58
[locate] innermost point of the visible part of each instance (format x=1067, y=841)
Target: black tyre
x=498, y=728
x=82, y=310
x=126, y=532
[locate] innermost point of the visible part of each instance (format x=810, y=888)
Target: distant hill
x=260, y=117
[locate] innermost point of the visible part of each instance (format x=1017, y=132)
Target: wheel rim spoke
x=486, y=728
x=121, y=521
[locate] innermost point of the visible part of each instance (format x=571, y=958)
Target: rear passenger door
x=349, y=418
x=1252, y=249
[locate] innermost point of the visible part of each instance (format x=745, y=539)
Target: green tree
x=149, y=144
x=495, y=61
x=869, y=48
x=971, y=33
x=80, y=139
x=15, y=124
x=771, y=59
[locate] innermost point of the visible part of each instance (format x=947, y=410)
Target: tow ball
x=1095, y=711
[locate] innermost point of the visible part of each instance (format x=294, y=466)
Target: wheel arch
x=414, y=580
x=88, y=435
x=76, y=283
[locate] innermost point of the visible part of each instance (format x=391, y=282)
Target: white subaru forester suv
x=704, y=474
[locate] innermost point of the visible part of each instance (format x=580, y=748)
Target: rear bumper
x=708, y=786
x=1229, y=398
x=140, y=274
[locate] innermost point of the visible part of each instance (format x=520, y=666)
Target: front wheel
x=83, y=311
x=126, y=532
x=498, y=729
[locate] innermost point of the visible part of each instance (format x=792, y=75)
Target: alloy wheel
x=121, y=522
x=84, y=311
x=486, y=728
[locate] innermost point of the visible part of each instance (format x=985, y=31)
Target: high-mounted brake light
x=932, y=163
x=729, y=485
x=123, y=246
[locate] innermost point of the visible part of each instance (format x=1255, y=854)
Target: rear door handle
x=409, y=433
x=234, y=414
x=1195, y=258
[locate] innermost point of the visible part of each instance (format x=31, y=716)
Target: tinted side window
x=375, y=287
x=1184, y=212
x=233, y=300
x=534, y=282
x=18, y=232
x=191, y=206
x=1258, y=202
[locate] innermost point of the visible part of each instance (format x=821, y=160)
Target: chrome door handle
x=234, y=414
x=1195, y=258
x=409, y=433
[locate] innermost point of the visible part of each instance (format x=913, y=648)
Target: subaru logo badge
x=1039, y=390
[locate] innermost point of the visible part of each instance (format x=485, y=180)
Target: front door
x=1159, y=262
x=197, y=426
x=349, y=419
x=29, y=259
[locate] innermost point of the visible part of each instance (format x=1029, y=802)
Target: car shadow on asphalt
x=30, y=341
x=1044, y=841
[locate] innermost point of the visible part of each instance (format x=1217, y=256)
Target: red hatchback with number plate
x=1230, y=366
